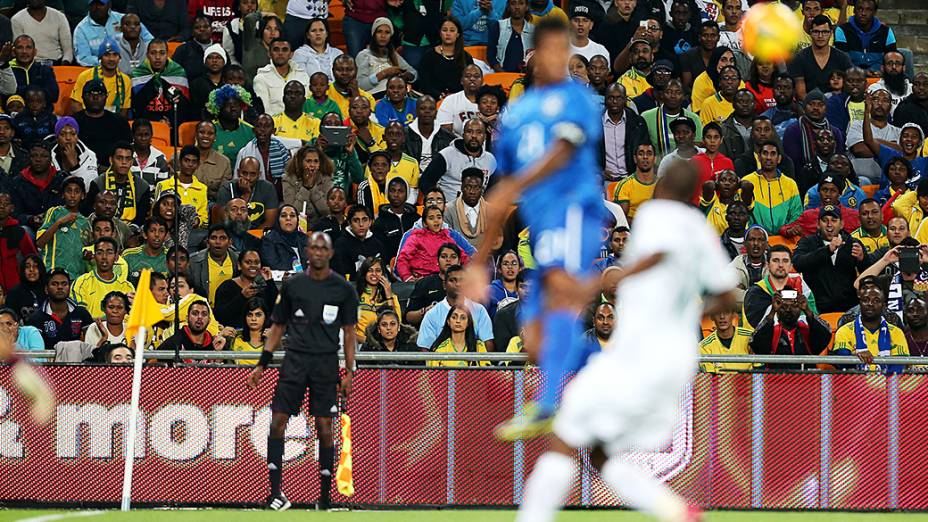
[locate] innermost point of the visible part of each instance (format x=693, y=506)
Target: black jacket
x=831, y=282
x=277, y=249
x=733, y=145
x=20, y=160
x=37, y=74
x=636, y=132
x=190, y=56
x=30, y=201
x=506, y=325
x=351, y=250
x=389, y=228
x=762, y=342
x=405, y=342
x=442, y=139
x=746, y=164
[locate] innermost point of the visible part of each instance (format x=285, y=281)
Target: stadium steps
x=909, y=20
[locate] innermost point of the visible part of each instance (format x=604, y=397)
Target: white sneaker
x=278, y=503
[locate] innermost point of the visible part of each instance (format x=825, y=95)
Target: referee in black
x=311, y=308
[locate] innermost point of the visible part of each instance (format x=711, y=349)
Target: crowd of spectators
x=381, y=135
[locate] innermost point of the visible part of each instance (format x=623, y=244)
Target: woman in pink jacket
x=419, y=255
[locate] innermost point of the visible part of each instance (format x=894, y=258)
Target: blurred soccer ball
x=770, y=32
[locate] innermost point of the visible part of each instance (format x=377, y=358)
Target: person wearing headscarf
x=70, y=155
x=284, y=247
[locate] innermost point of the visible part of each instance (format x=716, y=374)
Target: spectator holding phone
x=253, y=281
x=791, y=327
x=900, y=271
x=758, y=298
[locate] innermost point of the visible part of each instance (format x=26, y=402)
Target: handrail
x=507, y=357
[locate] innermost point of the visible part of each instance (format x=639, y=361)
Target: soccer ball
x=770, y=32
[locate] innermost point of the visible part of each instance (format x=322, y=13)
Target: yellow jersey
x=218, y=274
x=715, y=108
x=448, y=347
x=194, y=194
x=89, y=290
x=343, y=101
x=634, y=192
x=306, y=128
x=846, y=342
x=117, y=85
x=737, y=345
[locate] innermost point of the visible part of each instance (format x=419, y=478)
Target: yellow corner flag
x=343, y=479
x=145, y=310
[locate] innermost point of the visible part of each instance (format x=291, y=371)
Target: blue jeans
x=295, y=31
x=357, y=35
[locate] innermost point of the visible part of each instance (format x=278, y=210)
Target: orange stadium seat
x=780, y=240
x=187, y=133
x=336, y=32
x=503, y=79
x=870, y=190
x=167, y=150
x=161, y=134
x=478, y=52
x=172, y=46
x=610, y=190
x=66, y=77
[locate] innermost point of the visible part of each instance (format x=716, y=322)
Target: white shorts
x=622, y=406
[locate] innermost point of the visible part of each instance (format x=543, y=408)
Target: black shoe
x=323, y=504
x=278, y=503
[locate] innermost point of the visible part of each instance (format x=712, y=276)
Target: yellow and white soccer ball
x=770, y=32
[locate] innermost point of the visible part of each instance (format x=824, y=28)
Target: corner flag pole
x=133, y=418
x=145, y=313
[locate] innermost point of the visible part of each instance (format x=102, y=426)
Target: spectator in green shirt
x=64, y=230
x=151, y=254
x=232, y=133
x=319, y=104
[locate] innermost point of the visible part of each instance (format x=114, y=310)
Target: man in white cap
x=883, y=131
x=270, y=80
x=214, y=60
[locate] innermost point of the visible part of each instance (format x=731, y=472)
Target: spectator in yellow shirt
x=293, y=122
x=635, y=78
x=870, y=335
x=90, y=289
x=727, y=339
x=458, y=336
x=719, y=106
x=369, y=134
x=190, y=190
x=639, y=187
x=345, y=87
x=118, y=85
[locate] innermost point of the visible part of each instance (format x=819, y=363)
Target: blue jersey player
x=547, y=157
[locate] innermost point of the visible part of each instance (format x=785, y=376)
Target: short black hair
x=154, y=221
x=189, y=150
x=452, y=269
x=492, y=90
x=56, y=272
x=821, y=20
x=109, y=240
x=155, y=277
x=772, y=144
x=103, y=219
x=122, y=144
x=354, y=209
x=548, y=26
x=140, y=123
x=215, y=227
x=869, y=201
x=9, y=311
x=112, y=294
x=74, y=180
x=177, y=248
x=714, y=125
x=449, y=246
x=780, y=248
x=472, y=172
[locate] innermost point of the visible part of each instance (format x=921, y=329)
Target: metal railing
x=384, y=357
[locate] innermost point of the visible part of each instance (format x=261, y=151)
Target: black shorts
x=299, y=372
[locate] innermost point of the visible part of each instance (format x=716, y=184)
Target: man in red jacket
x=830, y=188
x=15, y=244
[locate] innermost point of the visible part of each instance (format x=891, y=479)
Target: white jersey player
x=628, y=396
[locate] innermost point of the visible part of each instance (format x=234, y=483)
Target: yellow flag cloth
x=343, y=479
x=145, y=310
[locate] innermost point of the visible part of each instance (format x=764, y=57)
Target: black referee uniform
x=314, y=312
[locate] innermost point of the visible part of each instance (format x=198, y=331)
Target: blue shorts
x=569, y=239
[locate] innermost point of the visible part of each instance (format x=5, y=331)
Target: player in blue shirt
x=547, y=158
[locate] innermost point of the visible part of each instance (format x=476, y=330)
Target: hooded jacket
x=419, y=255
x=389, y=227
x=350, y=250
x=866, y=48
x=15, y=245
x=86, y=168
x=441, y=139
x=279, y=248
x=32, y=200
x=36, y=74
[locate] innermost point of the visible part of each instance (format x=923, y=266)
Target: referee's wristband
x=265, y=359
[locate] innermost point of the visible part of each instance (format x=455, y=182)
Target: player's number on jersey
x=551, y=246
x=531, y=142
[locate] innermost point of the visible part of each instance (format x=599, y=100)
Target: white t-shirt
x=307, y=9
x=456, y=109
x=590, y=50
x=425, y=157
x=665, y=302
x=855, y=133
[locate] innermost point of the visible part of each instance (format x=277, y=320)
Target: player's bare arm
x=642, y=265
x=274, y=335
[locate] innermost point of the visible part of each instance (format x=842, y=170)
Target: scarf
x=125, y=195
x=664, y=136
x=884, y=342
x=778, y=330
x=466, y=229
x=809, y=128
x=377, y=196
x=120, y=95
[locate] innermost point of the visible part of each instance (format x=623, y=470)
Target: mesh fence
x=422, y=437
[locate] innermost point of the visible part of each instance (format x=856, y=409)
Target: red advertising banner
x=423, y=437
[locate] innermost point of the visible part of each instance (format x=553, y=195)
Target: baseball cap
x=376, y=153
x=638, y=40
x=683, y=120
x=94, y=86
x=580, y=10
x=833, y=178
x=108, y=45
x=664, y=65
x=877, y=87
x=830, y=210
x=6, y=117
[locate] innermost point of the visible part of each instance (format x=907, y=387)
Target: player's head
x=319, y=250
x=678, y=183
x=552, y=51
